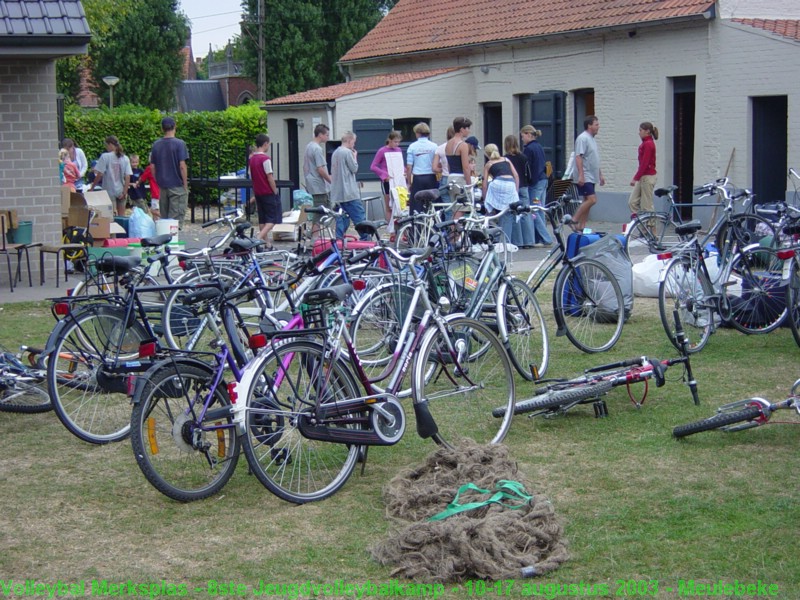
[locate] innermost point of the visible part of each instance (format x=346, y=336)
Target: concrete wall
x=29, y=152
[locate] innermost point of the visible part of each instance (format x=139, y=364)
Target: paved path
x=196, y=237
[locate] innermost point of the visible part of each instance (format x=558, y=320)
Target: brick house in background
x=714, y=77
x=33, y=34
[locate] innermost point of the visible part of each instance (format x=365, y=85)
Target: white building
x=718, y=79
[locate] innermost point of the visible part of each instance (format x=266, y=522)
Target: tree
x=304, y=39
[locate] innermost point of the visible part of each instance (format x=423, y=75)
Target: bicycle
x=587, y=300
x=741, y=415
x=305, y=419
x=655, y=230
x=22, y=387
x=558, y=396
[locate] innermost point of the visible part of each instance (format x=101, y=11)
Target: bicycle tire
x=588, y=305
x=757, y=310
x=25, y=397
x=746, y=229
x=293, y=467
x=89, y=397
x=460, y=396
x=411, y=235
x=793, y=299
x=521, y=324
x=654, y=232
x=682, y=288
x=553, y=399
x=717, y=421
x=175, y=454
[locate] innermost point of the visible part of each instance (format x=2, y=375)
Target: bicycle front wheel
x=289, y=381
x=183, y=458
x=88, y=389
x=762, y=307
x=588, y=305
x=682, y=288
x=720, y=421
x=461, y=373
x=23, y=396
x=522, y=327
x=553, y=399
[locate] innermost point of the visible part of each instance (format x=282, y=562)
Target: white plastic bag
x=141, y=225
x=646, y=275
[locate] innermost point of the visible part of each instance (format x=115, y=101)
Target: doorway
x=770, y=139
x=683, y=112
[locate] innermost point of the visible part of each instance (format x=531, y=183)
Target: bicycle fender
x=143, y=378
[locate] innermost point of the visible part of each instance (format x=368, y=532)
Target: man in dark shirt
x=168, y=160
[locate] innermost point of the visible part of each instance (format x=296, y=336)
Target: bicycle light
x=233, y=394
x=257, y=341
x=61, y=308
x=785, y=254
x=444, y=305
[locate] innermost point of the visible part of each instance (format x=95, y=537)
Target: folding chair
x=8, y=249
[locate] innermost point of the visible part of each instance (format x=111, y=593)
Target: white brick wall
x=29, y=152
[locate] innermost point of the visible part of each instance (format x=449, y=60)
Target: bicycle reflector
x=147, y=349
x=256, y=341
x=785, y=254
x=359, y=284
x=61, y=308
x=182, y=264
x=664, y=256
x=232, y=393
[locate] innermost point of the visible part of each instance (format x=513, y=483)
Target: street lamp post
x=111, y=81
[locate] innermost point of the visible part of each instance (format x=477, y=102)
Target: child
x=136, y=194
x=147, y=177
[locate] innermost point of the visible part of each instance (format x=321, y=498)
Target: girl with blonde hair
x=503, y=189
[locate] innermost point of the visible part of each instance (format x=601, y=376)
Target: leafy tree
x=304, y=39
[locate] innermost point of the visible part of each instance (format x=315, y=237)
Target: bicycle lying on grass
x=561, y=395
x=744, y=414
x=23, y=388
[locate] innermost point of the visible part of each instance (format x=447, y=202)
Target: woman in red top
x=644, y=181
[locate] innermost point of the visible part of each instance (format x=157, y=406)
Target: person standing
x=587, y=170
x=136, y=193
x=69, y=170
x=537, y=186
x=168, y=163
x=380, y=168
x=503, y=190
x=457, y=152
x=113, y=173
x=77, y=156
x=344, y=187
x=265, y=191
x=514, y=155
x=644, y=181
x=315, y=171
x=419, y=166
x=440, y=166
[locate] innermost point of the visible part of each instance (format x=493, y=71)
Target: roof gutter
x=327, y=105
x=710, y=13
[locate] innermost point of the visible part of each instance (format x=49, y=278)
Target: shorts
x=269, y=209
x=154, y=204
x=587, y=189
x=385, y=187
x=320, y=200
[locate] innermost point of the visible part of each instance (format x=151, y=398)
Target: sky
x=213, y=22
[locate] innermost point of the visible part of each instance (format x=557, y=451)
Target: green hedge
x=219, y=136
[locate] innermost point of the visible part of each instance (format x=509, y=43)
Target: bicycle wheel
x=588, y=305
x=793, y=299
x=461, y=386
x=718, y=421
x=287, y=382
x=653, y=232
x=410, y=235
x=762, y=306
x=86, y=384
x=683, y=289
x=746, y=229
x=521, y=325
x=23, y=396
x=182, y=458
x=554, y=399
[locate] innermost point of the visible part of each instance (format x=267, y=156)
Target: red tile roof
x=419, y=25
x=332, y=92
x=787, y=28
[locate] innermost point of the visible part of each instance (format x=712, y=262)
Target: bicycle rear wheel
x=682, y=288
x=588, y=305
x=460, y=391
x=288, y=381
x=719, y=421
x=554, y=399
x=762, y=307
x=653, y=232
x=793, y=298
x=85, y=380
x=182, y=458
x=521, y=323
x=745, y=229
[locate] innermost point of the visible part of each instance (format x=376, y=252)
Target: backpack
x=77, y=235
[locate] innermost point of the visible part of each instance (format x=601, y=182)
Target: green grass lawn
x=636, y=504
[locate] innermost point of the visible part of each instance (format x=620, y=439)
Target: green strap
x=511, y=491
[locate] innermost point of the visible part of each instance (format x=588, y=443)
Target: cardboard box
x=97, y=203
x=293, y=223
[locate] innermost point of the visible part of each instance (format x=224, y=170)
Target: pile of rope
x=493, y=542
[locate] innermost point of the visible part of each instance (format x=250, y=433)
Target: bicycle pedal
x=600, y=409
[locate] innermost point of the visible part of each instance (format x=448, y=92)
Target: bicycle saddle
x=426, y=197
x=660, y=192
x=156, y=240
x=688, y=228
x=369, y=228
x=117, y=264
x=244, y=244
x=328, y=295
